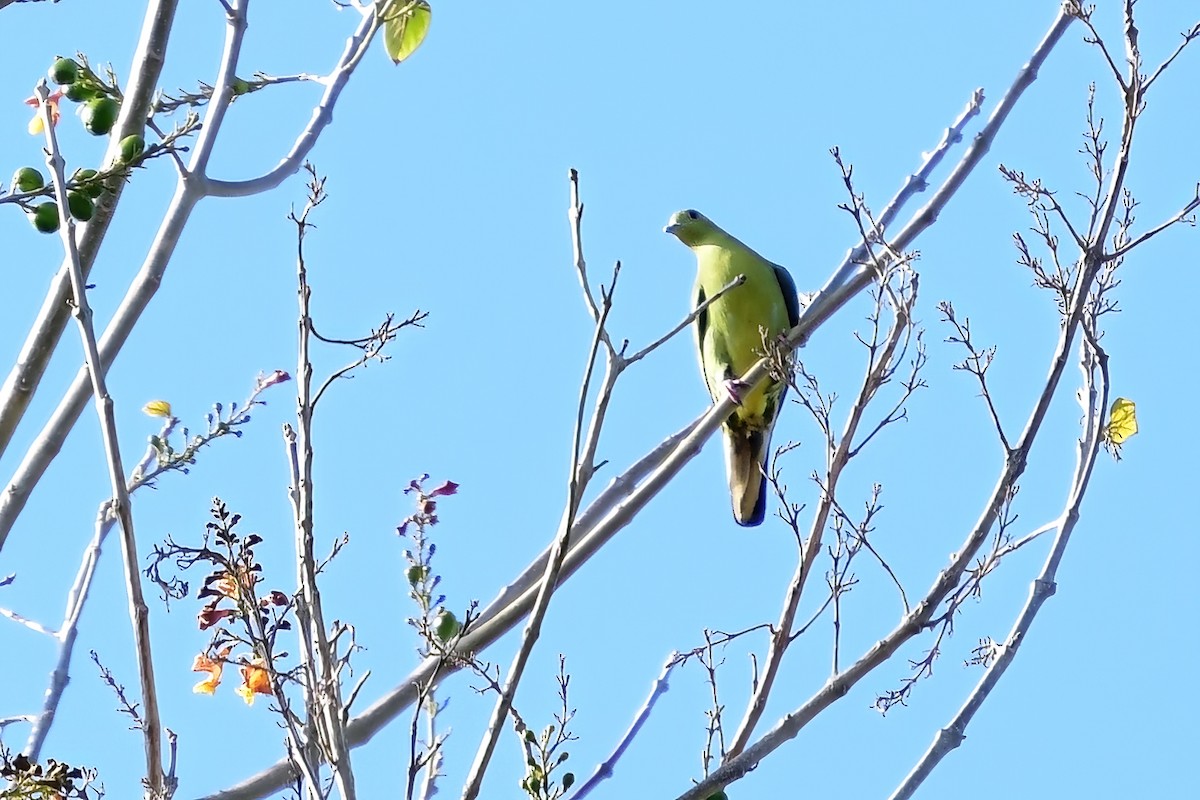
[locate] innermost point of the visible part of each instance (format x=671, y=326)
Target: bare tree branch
x=1043, y=587
x=1186, y=214
x=1188, y=37
x=139, y=614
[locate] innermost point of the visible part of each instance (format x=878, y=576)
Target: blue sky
x=448, y=192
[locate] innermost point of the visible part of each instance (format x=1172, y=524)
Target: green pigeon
x=729, y=340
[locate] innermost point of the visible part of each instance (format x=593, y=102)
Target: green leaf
x=405, y=27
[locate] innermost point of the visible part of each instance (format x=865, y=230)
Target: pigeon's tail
x=745, y=464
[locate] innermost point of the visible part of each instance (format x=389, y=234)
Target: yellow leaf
x=1122, y=421
x=157, y=408
x=404, y=28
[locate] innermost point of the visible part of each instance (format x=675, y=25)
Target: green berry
x=64, y=71
x=80, y=205
x=45, y=217
x=85, y=180
x=28, y=179
x=416, y=574
x=99, y=115
x=81, y=92
x=446, y=626
x=132, y=146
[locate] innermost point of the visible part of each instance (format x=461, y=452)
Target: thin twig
x=604, y=770
x=1042, y=588
x=1182, y=216
x=685, y=322
x=554, y=564
x=1188, y=37
x=323, y=696
x=138, y=612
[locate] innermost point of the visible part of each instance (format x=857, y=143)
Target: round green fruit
x=446, y=626
x=80, y=206
x=81, y=92
x=85, y=180
x=132, y=146
x=64, y=71
x=99, y=115
x=45, y=217
x=28, y=179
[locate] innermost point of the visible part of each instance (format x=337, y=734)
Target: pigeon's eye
x=692, y=215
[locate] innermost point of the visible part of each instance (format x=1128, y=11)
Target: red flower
x=210, y=615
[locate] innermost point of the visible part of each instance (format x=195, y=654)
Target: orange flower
x=36, y=126
x=255, y=679
x=228, y=584
x=213, y=667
